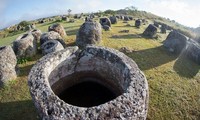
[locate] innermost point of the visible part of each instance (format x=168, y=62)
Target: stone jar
x=25, y=46
x=36, y=33
x=51, y=46
x=52, y=36
x=57, y=80
x=89, y=33
x=105, y=21
x=151, y=31
x=8, y=63
x=58, y=28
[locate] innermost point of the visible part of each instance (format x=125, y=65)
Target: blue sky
x=14, y=11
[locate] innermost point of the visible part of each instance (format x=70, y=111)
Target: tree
x=69, y=12
x=131, y=8
x=111, y=12
x=24, y=23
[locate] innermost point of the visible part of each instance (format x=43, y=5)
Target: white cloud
x=94, y=3
x=182, y=11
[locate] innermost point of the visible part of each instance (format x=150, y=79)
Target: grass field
x=174, y=81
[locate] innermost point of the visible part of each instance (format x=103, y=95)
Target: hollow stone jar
x=96, y=83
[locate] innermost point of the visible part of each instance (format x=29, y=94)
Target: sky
x=186, y=12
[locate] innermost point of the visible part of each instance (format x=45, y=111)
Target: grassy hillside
x=174, y=81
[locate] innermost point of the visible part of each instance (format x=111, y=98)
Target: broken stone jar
x=95, y=83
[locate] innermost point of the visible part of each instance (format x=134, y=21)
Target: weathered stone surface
x=51, y=46
x=105, y=21
x=52, y=36
x=119, y=73
x=25, y=46
x=8, y=63
x=89, y=33
x=175, y=42
x=58, y=28
x=106, y=28
x=36, y=33
x=138, y=23
x=193, y=51
x=113, y=20
x=151, y=31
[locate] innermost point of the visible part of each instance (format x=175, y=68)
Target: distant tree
x=24, y=23
x=69, y=12
x=131, y=8
x=112, y=12
x=99, y=13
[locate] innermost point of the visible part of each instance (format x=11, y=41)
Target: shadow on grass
x=185, y=67
x=24, y=71
x=72, y=32
x=49, y=23
x=19, y=110
x=71, y=27
x=128, y=36
x=71, y=44
x=151, y=58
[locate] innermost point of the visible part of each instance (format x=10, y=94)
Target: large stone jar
x=8, y=63
x=25, y=46
x=92, y=84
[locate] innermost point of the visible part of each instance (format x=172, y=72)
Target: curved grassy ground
x=174, y=81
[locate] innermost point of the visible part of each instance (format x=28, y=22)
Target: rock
x=8, y=63
x=175, y=42
x=52, y=36
x=36, y=33
x=71, y=21
x=106, y=28
x=51, y=46
x=151, y=31
x=89, y=33
x=56, y=72
x=113, y=19
x=138, y=23
x=58, y=28
x=105, y=21
x=25, y=46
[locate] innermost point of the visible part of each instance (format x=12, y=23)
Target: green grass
x=174, y=81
